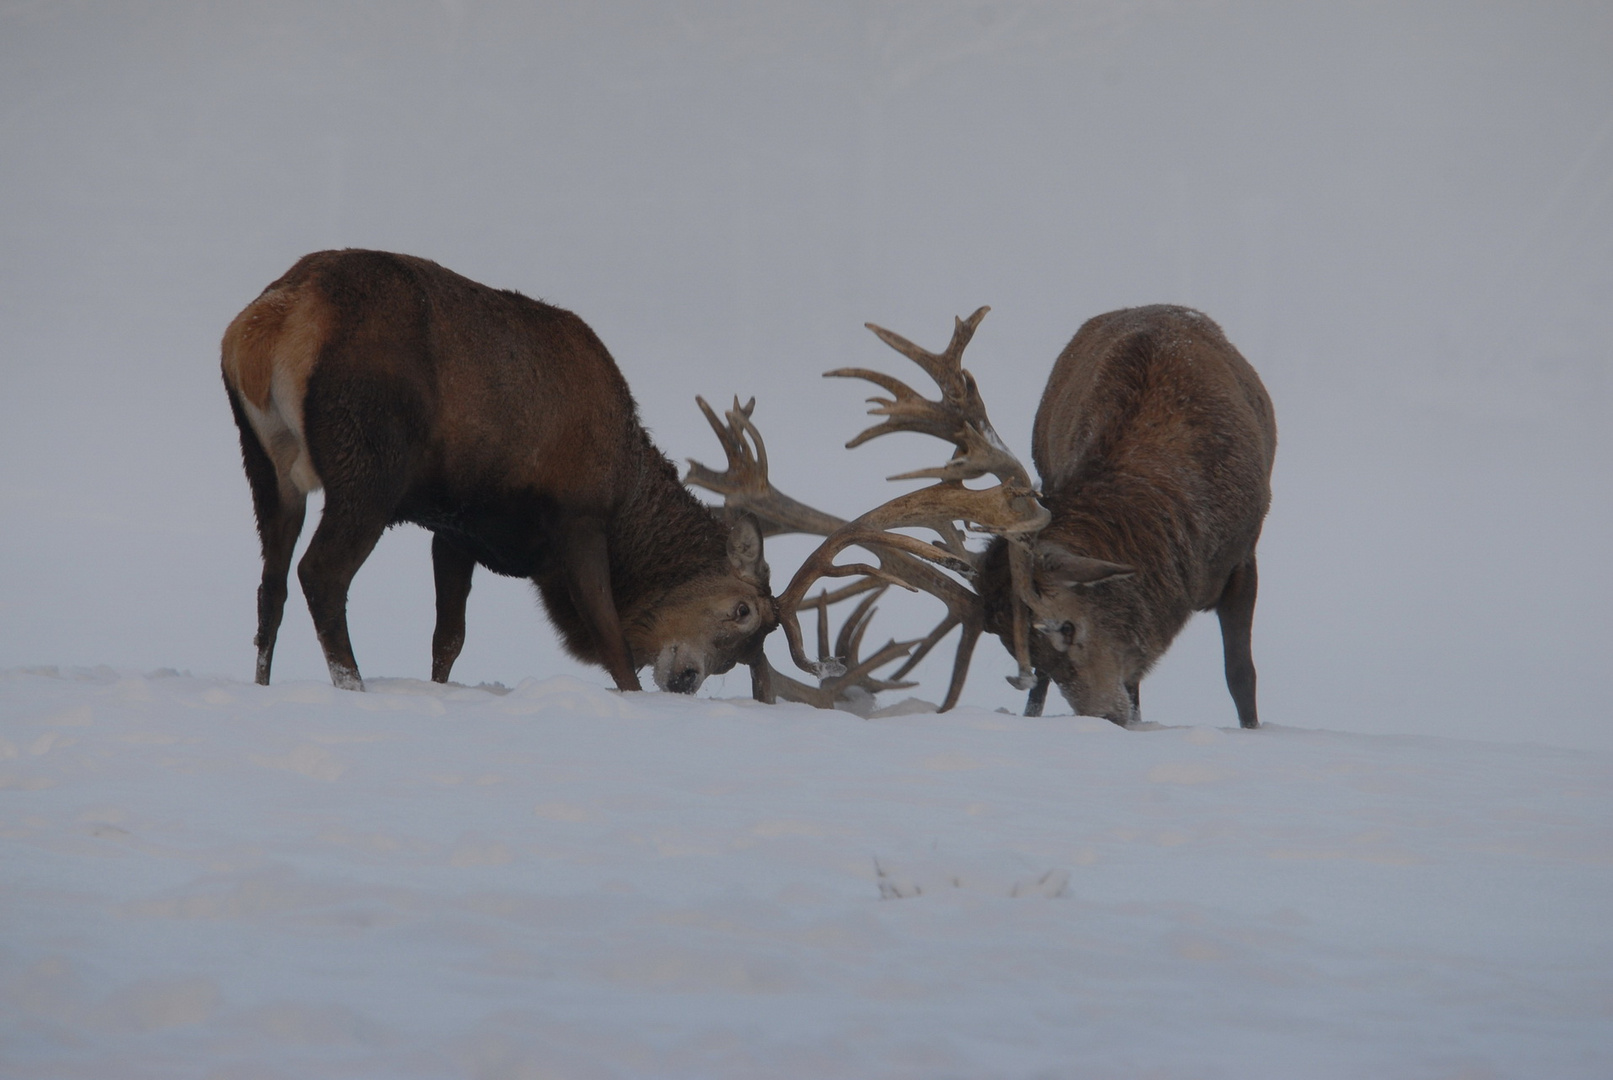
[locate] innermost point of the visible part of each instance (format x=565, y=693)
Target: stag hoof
x=346, y=678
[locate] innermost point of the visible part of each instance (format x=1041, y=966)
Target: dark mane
x=688, y=538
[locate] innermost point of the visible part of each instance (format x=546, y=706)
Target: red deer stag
x=501, y=424
x=1154, y=441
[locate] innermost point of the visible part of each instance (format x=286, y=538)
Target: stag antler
x=855, y=674
x=744, y=484
x=959, y=417
x=745, y=487
x=1010, y=509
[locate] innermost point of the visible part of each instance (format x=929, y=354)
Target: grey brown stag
x=1154, y=442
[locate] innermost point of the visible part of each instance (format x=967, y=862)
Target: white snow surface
x=206, y=878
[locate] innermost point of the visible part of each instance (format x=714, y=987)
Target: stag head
x=1085, y=639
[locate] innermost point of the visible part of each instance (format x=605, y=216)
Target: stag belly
x=510, y=537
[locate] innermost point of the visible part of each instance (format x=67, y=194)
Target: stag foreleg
x=1037, y=699
x=586, y=556
x=1236, y=611
x=452, y=570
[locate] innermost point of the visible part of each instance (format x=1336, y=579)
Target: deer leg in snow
x=587, y=563
x=1038, y=695
x=452, y=569
x=279, y=509
x=279, y=535
x=1237, y=614
x=344, y=539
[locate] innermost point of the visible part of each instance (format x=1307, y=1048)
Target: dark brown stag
x=1154, y=441
x=502, y=425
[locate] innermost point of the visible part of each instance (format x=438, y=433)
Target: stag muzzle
x=677, y=671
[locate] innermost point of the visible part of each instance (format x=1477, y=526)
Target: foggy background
x=1401, y=213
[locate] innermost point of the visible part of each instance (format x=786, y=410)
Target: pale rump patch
x=269, y=352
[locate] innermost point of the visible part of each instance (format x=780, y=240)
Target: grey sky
x=1403, y=215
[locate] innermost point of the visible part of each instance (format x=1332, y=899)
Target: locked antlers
x=1009, y=509
x=745, y=488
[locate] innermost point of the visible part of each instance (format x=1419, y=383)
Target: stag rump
x=501, y=424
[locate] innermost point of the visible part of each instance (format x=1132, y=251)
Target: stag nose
x=686, y=681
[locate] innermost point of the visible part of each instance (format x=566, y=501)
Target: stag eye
x=741, y=612
x=1062, y=636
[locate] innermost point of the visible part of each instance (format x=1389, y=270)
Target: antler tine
x=851, y=631
x=1010, y=509
x=820, y=603
x=929, y=642
x=959, y=417
x=831, y=693
x=854, y=673
x=745, y=486
x=859, y=673
x=904, y=560
x=945, y=368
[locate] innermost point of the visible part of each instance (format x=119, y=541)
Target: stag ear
x=1060, y=566
x=745, y=550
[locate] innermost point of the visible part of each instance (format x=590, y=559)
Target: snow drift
x=205, y=878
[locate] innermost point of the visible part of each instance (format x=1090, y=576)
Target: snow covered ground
x=205, y=878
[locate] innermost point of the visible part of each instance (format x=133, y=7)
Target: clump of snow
x=208, y=878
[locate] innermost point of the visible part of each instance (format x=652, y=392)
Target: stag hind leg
x=1236, y=611
x=364, y=461
x=452, y=569
x=279, y=541
x=344, y=539
x=279, y=508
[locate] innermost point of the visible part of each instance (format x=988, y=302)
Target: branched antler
x=746, y=488
x=1010, y=509
x=855, y=674
x=959, y=417
x=744, y=484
